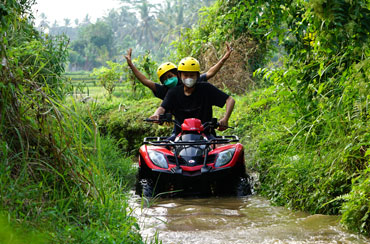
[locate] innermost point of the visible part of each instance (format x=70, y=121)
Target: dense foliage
x=250, y=26
x=310, y=129
x=51, y=161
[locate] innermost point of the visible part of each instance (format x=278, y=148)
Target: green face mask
x=171, y=82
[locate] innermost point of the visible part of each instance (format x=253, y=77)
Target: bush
x=125, y=123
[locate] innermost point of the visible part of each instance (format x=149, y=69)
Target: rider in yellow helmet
x=189, y=71
x=167, y=74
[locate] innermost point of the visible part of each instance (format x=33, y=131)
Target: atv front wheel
x=243, y=187
x=145, y=188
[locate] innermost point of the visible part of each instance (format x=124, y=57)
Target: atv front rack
x=162, y=141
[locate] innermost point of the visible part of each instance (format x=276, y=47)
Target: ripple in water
x=236, y=220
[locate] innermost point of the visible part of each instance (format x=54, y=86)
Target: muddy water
x=236, y=220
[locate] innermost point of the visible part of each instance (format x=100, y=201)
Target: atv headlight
x=224, y=157
x=158, y=159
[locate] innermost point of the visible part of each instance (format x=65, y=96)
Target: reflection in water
x=237, y=220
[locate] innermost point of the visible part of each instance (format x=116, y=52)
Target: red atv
x=193, y=164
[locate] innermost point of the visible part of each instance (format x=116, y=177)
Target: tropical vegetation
x=307, y=126
x=54, y=185
x=299, y=73
x=138, y=24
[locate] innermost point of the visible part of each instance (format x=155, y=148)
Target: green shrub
x=126, y=125
x=109, y=77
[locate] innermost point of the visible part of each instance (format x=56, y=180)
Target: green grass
x=11, y=233
x=84, y=203
x=319, y=168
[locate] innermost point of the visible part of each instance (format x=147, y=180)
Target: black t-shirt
x=161, y=90
x=197, y=105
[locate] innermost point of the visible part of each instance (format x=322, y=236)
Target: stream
x=235, y=220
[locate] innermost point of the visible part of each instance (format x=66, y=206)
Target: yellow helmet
x=189, y=64
x=163, y=68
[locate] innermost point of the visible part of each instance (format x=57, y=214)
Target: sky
x=60, y=9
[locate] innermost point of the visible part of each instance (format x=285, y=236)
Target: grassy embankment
x=308, y=124
x=83, y=200
x=91, y=206
x=55, y=185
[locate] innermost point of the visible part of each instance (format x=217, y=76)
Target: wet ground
x=236, y=220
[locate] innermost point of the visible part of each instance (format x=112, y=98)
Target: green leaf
x=260, y=103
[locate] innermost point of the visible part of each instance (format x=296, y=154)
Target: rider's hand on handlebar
x=223, y=124
x=155, y=117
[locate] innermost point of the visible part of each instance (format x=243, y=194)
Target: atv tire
x=243, y=187
x=145, y=188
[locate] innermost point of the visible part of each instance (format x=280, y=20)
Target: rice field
x=86, y=85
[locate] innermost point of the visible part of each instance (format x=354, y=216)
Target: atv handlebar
x=168, y=118
x=162, y=118
x=214, y=124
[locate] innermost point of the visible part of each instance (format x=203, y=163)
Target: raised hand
x=128, y=55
